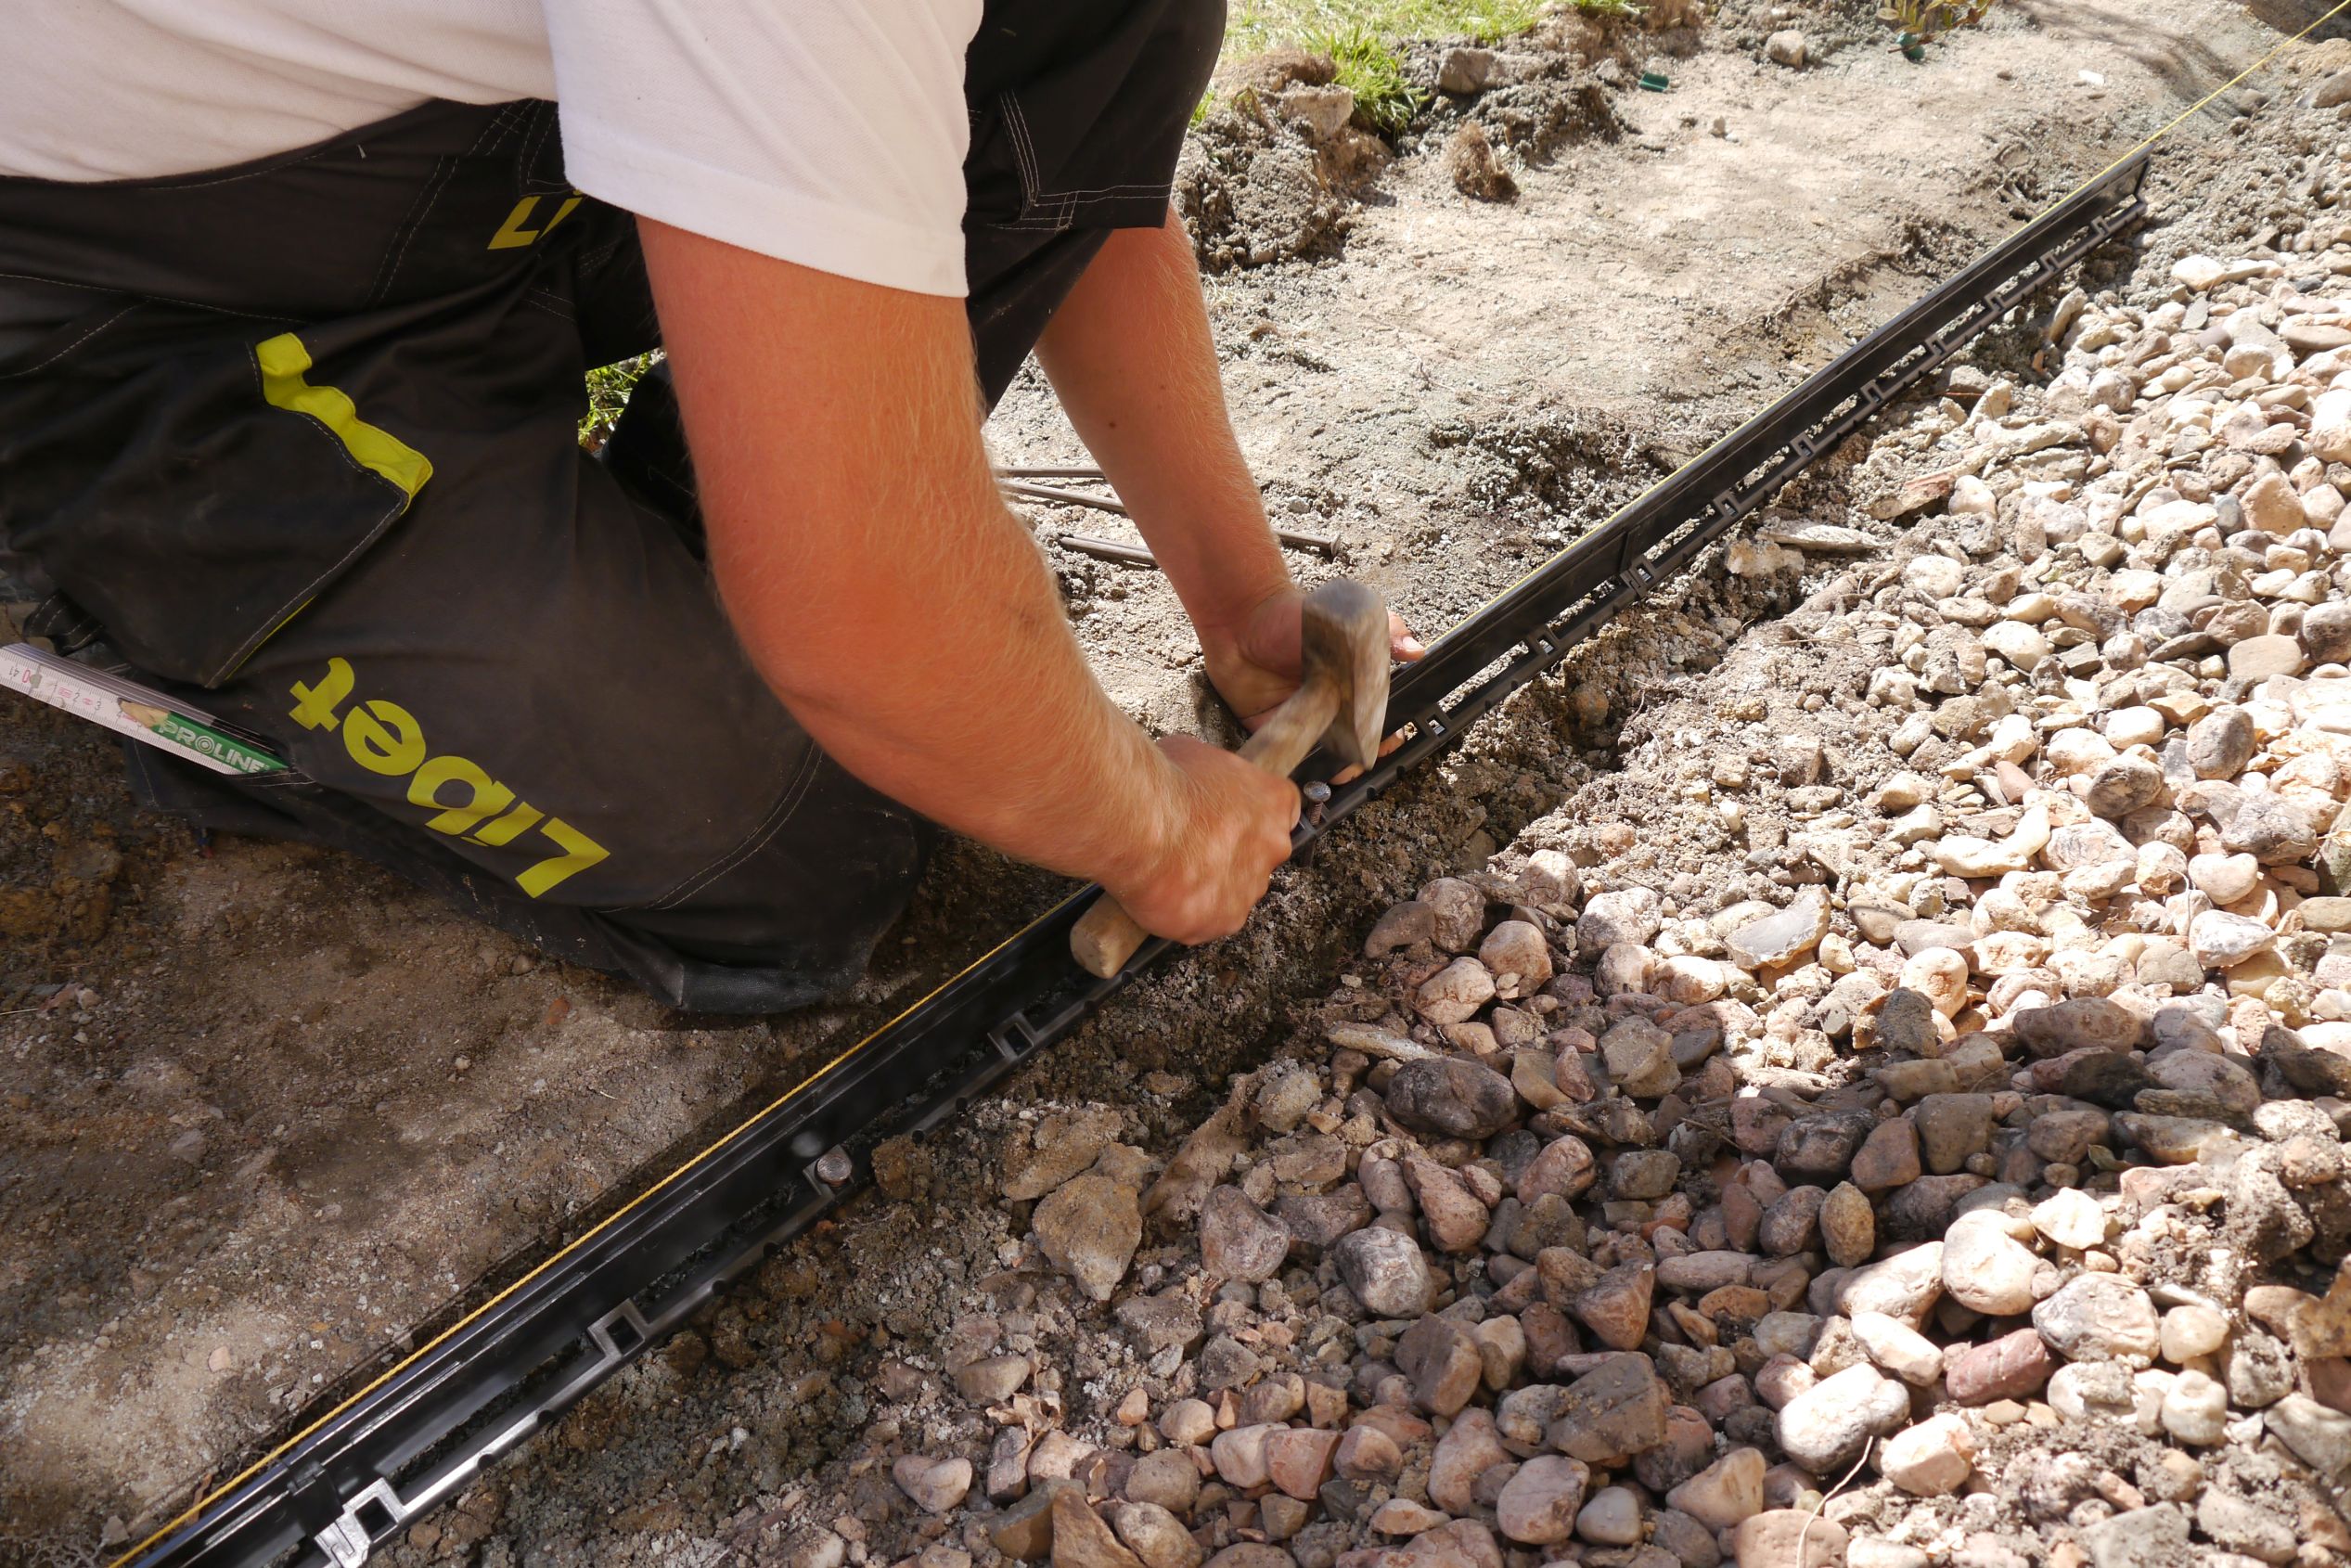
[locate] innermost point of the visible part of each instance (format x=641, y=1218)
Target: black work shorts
x=301, y=435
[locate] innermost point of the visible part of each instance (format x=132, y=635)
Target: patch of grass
x=608, y=389
x=1356, y=34
x=1928, y=20
x=1369, y=68
x=1258, y=25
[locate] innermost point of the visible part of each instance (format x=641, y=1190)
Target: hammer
x=1341, y=698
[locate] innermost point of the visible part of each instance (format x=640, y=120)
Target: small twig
x=1868, y=1444
x=1107, y=549
x=1049, y=473
x=1320, y=544
x=1066, y=498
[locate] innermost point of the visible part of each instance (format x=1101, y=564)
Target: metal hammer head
x=1345, y=638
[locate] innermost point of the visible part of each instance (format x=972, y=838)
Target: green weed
x=608, y=389
x=1927, y=19
x=1369, y=68
x=1258, y=25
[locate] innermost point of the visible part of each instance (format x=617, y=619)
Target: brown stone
x=1300, y=1460
x=2015, y=1365
x=1789, y=1537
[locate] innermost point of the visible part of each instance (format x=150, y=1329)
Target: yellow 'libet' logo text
x=385, y=738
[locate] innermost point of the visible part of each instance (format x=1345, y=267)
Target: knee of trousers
x=813, y=896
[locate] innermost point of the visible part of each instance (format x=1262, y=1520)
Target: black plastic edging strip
x=334, y=1489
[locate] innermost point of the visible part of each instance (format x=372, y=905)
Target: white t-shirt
x=829, y=133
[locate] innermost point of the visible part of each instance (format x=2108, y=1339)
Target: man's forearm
x=1132, y=359
x=893, y=602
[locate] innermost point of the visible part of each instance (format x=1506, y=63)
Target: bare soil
x=263, y=1112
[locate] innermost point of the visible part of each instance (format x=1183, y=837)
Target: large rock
x=1441, y=1360
x=2015, y=1365
x=1452, y=1096
x=2326, y=633
x=2140, y=1538
x=1612, y=1412
x=1538, y=1506
x=1024, y=1531
x=1299, y=1459
x=1848, y=1226
x=2257, y=659
x=1385, y=1270
x=1639, y=1059
x=1517, y=956
x=1819, y=1147
x=1906, y=1286
x=1951, y=1127
x=2123, y=785
x=1457, y=1219
x=1789, y=1537
x=2239, y=1525
x=2101, y=1317
x=2271, y=829
x=1931, y=1460
x=1089, y=1228
x=2082, y=1023
x=2318, y=1436
x=1455, y=993
x=1064, y=1146
x=1469, y=1447
x=1824, y=1428
x=1615, y=1306
x=1784, y=937
x=1237, y=1239
x=1563, y=1169
x=1081, y=1539
x=2072, y=1217
x=1984, y=1269
x=1724, y=1492
x=1156, y=1535
x=1888, y=1158
x=1628, y=915
x=2222, y=940
x=1897, y=1348
x=935, y=1484
x=2221, y=743
x=1612, y=1518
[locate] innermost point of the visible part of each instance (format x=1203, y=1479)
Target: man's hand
x=1131, y=356
x=1234, y=828
x=1255, y=666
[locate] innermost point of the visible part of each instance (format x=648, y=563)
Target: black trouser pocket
x=192, y=492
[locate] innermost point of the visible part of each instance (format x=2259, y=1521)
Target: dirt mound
x=1276, y=170
x=1827, y=25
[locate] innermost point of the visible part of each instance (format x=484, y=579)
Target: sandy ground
x=263, y=1111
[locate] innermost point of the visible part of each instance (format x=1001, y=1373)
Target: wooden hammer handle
x=1106, y=935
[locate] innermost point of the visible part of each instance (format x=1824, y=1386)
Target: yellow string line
x=2277, y=50
x=810, y=1082
x=585, y=1237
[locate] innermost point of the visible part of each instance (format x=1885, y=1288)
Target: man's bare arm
x=903, y=614
x=1131, y=356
